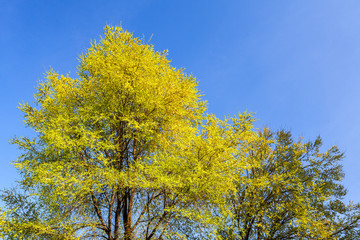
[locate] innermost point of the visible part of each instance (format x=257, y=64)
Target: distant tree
x=291, y=191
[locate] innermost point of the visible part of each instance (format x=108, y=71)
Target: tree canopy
x=127, y=151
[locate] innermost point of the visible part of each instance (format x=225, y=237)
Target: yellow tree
x=112, y=158
x=124, y=151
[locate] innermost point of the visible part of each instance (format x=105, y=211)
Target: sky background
x=293, y=63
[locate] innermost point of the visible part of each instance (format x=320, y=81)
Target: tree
x=291, y=191
x=114, y=154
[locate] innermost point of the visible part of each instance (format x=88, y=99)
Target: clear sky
x=296, y=64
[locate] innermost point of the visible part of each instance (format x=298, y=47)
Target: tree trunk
x=127, y=213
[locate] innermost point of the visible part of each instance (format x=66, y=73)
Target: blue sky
x=296, y=64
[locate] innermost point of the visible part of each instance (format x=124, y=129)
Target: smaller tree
x=290, y=191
